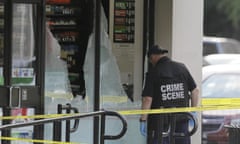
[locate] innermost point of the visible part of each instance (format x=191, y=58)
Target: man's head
x=155, y=53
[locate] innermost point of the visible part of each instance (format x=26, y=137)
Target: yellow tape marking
x=174, y=110
x=37, y=141
x=34, y=116
x=114, y=99
x=220, y=101
x=137, y=111
x=208, y=104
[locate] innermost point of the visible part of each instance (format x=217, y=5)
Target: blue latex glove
x=143, y=128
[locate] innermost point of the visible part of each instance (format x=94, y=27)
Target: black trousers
x=158, y=125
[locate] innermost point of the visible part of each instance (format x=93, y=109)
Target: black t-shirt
x=169, y=83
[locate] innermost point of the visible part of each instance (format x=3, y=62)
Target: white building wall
x=129, y=55
x=187, y=32
x=179, y=28
x=163, y=24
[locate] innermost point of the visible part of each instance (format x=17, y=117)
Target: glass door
x=22, y=64
x=23, y=46
x=23, y=67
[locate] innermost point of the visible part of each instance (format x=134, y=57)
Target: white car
x=213, y=59
x=217, y=45
x=219, y=81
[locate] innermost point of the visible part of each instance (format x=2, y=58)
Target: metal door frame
x=38, y=101
x=96, y=94
x=148, y=28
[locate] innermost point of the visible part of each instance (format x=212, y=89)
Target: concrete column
x=179, y=28
x=163, y=24
x=187, y=32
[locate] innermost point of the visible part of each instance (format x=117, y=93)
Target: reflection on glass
x=23, y=44
x=1, y=42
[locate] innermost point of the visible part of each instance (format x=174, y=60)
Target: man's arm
x=146, y=104
x=194, y=97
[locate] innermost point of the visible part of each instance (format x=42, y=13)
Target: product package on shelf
x=70, y=23
x=23, y=132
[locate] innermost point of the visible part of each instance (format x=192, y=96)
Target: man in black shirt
x=167, y=84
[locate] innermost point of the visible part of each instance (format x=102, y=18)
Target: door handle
x=15, y=96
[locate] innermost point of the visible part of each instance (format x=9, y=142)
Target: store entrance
x=22, y=64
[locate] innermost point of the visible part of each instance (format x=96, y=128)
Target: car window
x=209, y=48
x=230, y=47
x=221, y=86
x=221, y=59
x=220, y=46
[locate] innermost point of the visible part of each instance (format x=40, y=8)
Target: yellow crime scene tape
x=37, y=141
x=207, y=104
x=220, y=101
x=33, y=116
